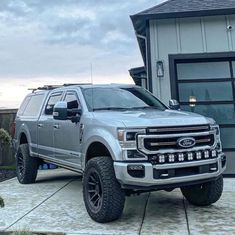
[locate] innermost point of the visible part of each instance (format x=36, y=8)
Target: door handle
x=56, y=126
x=40, y=125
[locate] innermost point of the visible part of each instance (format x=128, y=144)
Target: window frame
x=75, y=94
x=51, y=95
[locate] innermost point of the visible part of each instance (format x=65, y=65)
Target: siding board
x=232, y=23
x=191, y=35
x=216, y=34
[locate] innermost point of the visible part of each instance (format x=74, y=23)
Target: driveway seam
x=38, y=205
x=143, y=217
x=186, y=216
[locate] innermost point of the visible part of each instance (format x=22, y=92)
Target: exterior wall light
x=192, y=101
x=160, y=69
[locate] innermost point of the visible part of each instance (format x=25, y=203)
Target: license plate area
x=185, y=171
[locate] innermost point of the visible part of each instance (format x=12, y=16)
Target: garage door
x=208, y=88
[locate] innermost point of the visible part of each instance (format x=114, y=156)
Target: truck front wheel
x=26, y=166
x=104, y=199
x=204, y=194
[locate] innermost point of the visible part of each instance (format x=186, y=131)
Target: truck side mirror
x=74, y=115
x=60, y=111
x=174, y=105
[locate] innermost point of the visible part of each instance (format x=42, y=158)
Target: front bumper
x=189, y=172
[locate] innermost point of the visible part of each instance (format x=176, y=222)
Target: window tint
x=51, y=103
x=227, y=137
x=72, y=101
x=206, y=91
x=204, y=70
x=222, y=113
x=23, y=105
x=33, y=107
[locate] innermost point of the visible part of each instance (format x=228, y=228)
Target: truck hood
x=151, y=118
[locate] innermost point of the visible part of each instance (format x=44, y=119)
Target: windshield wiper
x=110, y=108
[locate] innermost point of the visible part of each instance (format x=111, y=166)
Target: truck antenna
x=92, y=95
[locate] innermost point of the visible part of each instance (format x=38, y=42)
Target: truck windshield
x=120, y=98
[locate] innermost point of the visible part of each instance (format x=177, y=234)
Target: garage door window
x=207, y=87
x=205, y=70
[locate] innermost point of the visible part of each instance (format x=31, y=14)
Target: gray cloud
x=60, y=38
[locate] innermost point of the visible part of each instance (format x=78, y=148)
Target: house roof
x=181, y=9
x=138, y=74
x=175, y=8
x=186, y=8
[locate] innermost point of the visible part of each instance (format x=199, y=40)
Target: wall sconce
x=192, y=101
x=160, y=69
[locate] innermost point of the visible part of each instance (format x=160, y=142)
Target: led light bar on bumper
x=182, y=157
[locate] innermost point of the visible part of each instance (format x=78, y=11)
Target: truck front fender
x=104, y=137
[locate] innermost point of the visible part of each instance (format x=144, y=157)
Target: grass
x=11, y=167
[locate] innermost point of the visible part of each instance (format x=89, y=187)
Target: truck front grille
x=178, y=129
x=166, y=139
x=154, y=144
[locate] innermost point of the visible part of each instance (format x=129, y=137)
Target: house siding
x=187, y=35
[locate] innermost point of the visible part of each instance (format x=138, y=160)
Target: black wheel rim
x=94, y=191
x=20, y=164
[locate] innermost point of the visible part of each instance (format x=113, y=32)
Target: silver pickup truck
x=123, y=140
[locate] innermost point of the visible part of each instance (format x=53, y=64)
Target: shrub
x=5, y=138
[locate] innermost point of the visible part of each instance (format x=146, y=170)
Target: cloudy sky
x=56, y=41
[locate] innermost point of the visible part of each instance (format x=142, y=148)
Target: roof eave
x=227, y=11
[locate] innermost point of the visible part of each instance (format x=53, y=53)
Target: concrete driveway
x=55, y=204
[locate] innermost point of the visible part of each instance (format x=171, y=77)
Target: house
x=139, y=76
x=188, y=48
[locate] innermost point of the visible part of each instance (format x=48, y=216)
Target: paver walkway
x=55, y=204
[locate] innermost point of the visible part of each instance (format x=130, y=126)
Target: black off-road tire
x=26, y=166
x=204, y=194
x=112, y=198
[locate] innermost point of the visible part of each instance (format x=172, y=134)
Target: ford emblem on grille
x=186, y=142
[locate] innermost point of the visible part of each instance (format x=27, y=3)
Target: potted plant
x=5, y=140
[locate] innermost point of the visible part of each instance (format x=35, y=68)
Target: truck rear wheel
x=104, y=199
x=26, y=166
x=204, y=194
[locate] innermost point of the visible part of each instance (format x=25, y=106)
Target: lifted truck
x=123, y=140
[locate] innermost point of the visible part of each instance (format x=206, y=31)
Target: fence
x=7, y=117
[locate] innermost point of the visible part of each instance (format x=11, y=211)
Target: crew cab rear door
x=46, y=128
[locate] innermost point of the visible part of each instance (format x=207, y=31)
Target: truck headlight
x=216, y=128
x=125, y=135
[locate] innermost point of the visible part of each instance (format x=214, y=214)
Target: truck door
x=46, y=128
x=67, y=135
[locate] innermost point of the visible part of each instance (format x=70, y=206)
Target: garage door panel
x=206, y=91
x=222, y=113
x=203, y=70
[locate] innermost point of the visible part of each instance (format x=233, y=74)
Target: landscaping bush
x=5, y=138
x=5, y=150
